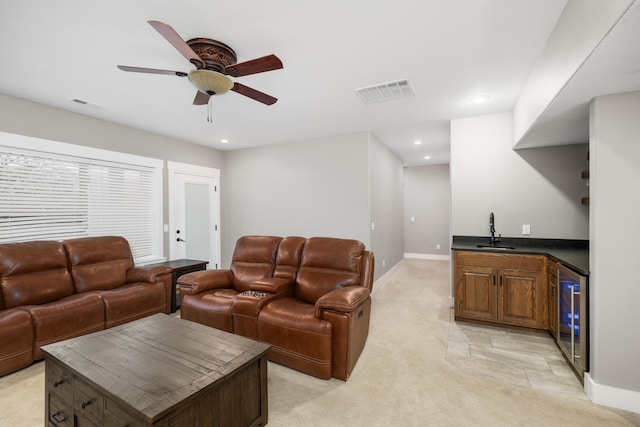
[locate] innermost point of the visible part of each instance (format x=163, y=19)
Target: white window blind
x=51, y=196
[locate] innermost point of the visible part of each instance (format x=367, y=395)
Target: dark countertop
x=572, y=253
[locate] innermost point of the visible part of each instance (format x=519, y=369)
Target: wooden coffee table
x=159, y=371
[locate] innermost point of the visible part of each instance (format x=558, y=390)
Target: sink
x=504, y=248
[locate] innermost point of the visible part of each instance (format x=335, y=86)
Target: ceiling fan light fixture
x=210, y=82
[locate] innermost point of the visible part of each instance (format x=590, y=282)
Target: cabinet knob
x=87, y=403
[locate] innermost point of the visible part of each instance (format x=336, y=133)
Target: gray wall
x=37, y=120
x=325, y=187
x=541, y=187
x=386, y=173
x=427, y=199
x=307, y=188
x=28, y=118
x=615, y=203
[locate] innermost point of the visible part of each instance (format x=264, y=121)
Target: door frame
x=183, y=169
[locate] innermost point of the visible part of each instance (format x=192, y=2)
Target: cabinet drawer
x=59, y=381
x=88, y=403
x=60, y=413
x=493, y=260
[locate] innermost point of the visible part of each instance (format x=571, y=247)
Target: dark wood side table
x=180, y=267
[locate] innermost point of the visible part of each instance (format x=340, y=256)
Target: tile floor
x=518, y=357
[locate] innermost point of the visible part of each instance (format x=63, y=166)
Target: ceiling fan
x=214, y=61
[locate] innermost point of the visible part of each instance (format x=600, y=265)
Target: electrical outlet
x=384, y=262
x=526, y=229
x=438, y=246
x=373, y=225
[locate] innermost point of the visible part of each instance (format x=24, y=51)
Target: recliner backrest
x=288, y=257
x=33, y=273
x=98, y=263
x=327, y=264
x=254, y=258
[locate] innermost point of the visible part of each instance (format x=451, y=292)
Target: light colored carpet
x=418, y=368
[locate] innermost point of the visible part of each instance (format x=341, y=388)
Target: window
x=55, y=191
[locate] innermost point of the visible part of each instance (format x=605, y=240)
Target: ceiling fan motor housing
x=216, y=55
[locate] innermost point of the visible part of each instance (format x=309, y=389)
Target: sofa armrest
x=344, y=300
x=273, y=285
x=200, y=281
x=146, y=274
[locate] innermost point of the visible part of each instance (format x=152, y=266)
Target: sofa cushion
x=33, y=273
x=16, y=336
x=98, y=263
x=327, y=264
x=66, y=318
x=254, y=258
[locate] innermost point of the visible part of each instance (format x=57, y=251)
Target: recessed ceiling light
x=479, y=99
x=427, y=157
x=224, y=141
x=417, y=142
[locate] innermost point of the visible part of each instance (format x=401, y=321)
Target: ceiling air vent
x=385, y=91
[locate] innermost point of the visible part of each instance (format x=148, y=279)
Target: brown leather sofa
x=308, y=298
x=51, y=291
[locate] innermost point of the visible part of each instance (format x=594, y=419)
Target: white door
x=194, y=211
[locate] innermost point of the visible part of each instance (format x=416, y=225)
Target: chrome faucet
x=492, y=228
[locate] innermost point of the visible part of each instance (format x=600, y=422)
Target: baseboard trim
x=380, y=282
x=428, y=256
x=613, y=397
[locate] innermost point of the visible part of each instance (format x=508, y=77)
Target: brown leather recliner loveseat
x=308, y=298
x=51, y=291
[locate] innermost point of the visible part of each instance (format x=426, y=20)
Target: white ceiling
x=612, y=67
x=450, y=50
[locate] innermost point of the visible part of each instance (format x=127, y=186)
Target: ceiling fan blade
x=201, y=98
x=151, y=71
x=258, y=65
x=176, y=41
x=254, y=94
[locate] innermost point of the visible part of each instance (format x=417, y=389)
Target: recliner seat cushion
x=211, y=308
x=66, y=318
x=16, y=336
x=300, y=340
x=132, y=301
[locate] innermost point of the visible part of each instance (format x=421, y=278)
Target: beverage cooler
x=573, y=318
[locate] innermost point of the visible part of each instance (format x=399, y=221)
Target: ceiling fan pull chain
x=209, y=110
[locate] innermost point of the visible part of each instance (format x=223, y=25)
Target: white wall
x=427, y=198
x=614, y=284
x=541, y=187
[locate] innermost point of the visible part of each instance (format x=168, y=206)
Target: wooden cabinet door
x=475, y=293
x=520, y=298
